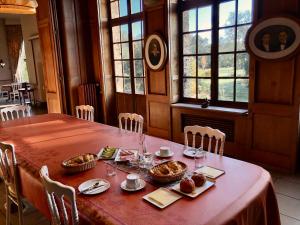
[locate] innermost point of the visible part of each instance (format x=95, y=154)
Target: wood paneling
x=276, y=82
x=157, y=82
x=157, y=111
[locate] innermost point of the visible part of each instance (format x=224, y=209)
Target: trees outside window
x=215, y=64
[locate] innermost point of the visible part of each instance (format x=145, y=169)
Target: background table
x=244, y=195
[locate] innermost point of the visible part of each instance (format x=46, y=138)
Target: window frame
x=190, y=4
x=129, y=20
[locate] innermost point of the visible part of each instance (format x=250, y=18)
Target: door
x=46, y=18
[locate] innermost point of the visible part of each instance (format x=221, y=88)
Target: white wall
x=5, y=73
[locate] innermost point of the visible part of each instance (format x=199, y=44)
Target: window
x=215, y=64
x=127, y=44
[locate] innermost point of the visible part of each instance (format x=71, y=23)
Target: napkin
x=163, y=196
x=210, y=171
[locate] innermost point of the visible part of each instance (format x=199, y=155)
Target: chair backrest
x=16, y=86
x=56, y=192
x=15, y=112
x=136, y=122
x=85, y=112
x=206, y=131
x=8, y=166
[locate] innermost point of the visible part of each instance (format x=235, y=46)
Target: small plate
x=113, y=156
x=190, y=152
x=95, y=191
x=142, y=184
x=197, y=191
x=172, y=196
x=157, y=153
x=133, y=156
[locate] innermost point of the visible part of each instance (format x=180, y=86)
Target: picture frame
x=275, y=38
x=155, y=52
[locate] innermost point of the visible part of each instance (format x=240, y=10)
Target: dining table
x=243, y=195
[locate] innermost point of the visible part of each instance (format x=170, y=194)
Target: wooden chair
x=136, y=122
x=85, y=112
x=206, y=131
x=56, y=192
x=15, y=112
x=8, y=165
x=3, y=94
x=15, y=91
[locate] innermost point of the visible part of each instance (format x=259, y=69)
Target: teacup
x=132, y=181
x=164, y=151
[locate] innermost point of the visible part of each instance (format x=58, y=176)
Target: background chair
x=56, y=192
x=3, y=94
x=85, y=112
x=15, y=91
x=206, y=131
x=136, y=122
x=8, y=165
x=15, y=112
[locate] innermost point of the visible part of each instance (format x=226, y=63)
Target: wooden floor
x=287, y=190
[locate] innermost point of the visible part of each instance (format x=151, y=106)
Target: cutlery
x=95, y=185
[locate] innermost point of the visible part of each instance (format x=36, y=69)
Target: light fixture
x=2, y=64
x=18, y=6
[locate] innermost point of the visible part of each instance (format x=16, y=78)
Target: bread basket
x=79, y=167
x=168, y=178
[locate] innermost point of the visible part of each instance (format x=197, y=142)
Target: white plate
x=174, y=196
x=157, y=153
x=190, y=152
x=95, y=191
x=197, y=191
x=118, y=159
x=102, y=149
x=142, y=184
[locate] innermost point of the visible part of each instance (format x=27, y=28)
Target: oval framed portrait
x=155, y=52
x=274, y=38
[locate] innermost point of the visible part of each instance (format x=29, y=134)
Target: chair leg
x=20, y=212
x=8, y=206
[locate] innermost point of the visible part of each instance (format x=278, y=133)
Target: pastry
x=187, y=185
x=199, y=179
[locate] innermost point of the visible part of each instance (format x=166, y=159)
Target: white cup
x=132, y=181
x=164, y=151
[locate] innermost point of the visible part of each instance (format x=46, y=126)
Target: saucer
x=157, y=153
x=142, y=184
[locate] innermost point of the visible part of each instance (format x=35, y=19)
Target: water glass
x=110, y=169
x=199, y=153
x=148, y=159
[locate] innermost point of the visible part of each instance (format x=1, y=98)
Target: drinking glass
x=111, y=169
x=199, y=153
x=147, y=159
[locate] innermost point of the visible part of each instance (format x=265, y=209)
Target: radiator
x=89, y=94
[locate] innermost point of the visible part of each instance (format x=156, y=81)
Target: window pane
x=125, y=51
x=226, y=40
x=124, y=32
x=189, y=43
x=226, y=65
x=204, y=66
x=189, y=66
x=119, y=84
x=137, y=30
x=244, y=11
x=123, y=8
x=139, y=85
x=117, y=51
x=116, y=33
x=242, y=65
x=118, y=68
x=242, y=90
x=189, y=20
x=189, y=88
x=204, y=88
x=227, y=14
x=126, y=68
x=114, y=7
x=135, y=6
x=204, y=42
x=138, y=68
x=241, y=35
x=226, y=89
x=137, y=49
x=127, y=85
x=204, y=18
